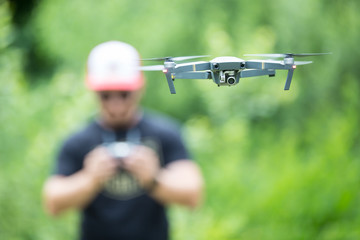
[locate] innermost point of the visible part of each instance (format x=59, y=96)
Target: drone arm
x=200, y=66
x=253, y=73
x=266, y=65
x=193, y=75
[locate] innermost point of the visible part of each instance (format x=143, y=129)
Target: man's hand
x=144, y=164
x=100, y=166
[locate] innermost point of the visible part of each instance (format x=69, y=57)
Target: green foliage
x=277, y=165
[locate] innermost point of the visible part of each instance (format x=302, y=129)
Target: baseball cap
x=114, y=65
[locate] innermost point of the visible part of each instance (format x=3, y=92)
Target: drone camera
x=231, y=80
x=228, y=77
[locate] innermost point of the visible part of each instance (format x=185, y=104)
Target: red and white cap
x=114, y=66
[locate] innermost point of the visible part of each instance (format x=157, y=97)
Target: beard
x=120, y=120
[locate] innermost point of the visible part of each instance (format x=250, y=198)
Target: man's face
x=119, y=108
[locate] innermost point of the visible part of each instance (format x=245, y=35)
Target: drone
x=227, y=70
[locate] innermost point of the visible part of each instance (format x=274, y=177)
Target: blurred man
x=123, y=168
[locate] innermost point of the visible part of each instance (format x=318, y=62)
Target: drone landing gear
x=288, y=79
x=170, y=82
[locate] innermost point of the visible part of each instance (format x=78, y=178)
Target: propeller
x=282, y=62
x=287, y=55
x=302, y=62
x=152, y=68
x=182, y=58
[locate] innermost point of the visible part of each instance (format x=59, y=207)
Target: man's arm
x=181, y=183
x=77, y=190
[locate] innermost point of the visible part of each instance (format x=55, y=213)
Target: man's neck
x=130, y=124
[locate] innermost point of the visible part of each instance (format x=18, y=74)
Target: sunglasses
x=107, y=95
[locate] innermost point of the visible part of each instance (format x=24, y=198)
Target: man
x=123, y=168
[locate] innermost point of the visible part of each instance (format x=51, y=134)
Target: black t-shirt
x=123, y=210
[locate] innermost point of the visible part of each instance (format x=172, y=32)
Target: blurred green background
x=277, y=164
